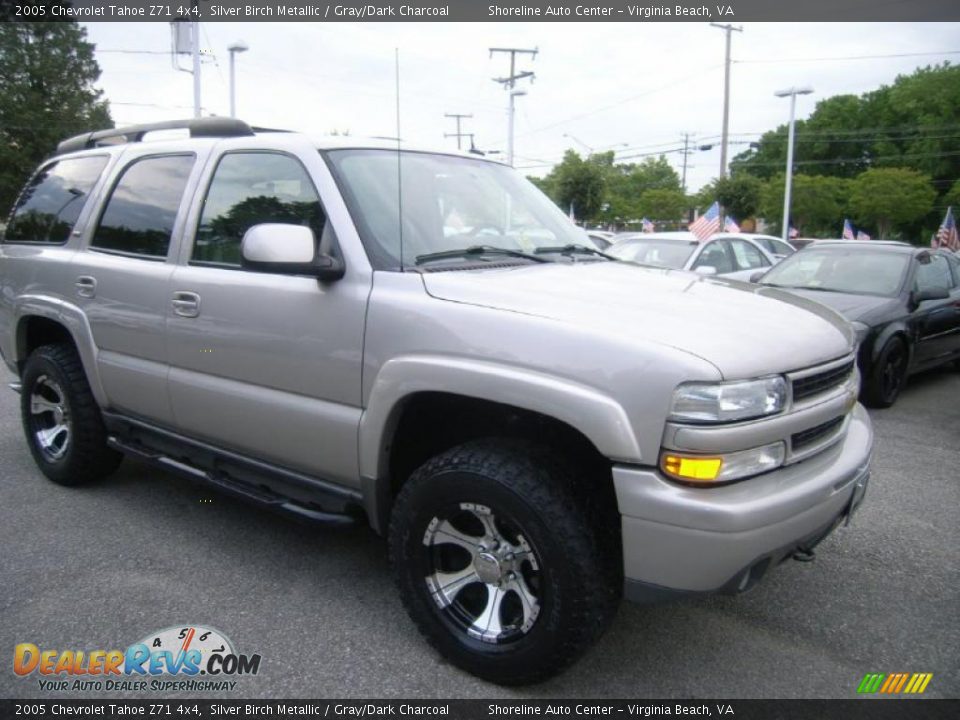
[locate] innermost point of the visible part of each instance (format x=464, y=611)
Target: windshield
x=448, y=203
x=663, y=253
x=857, y=270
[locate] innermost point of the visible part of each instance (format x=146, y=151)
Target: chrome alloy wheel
x=483, y=573
x=50, y=418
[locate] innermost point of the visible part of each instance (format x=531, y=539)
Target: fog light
x=722, y=468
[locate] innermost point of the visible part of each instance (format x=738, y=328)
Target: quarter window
x=50, y=204
x=249, y=189
x=143, y=206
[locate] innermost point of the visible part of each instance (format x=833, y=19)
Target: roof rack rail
x=198, y=127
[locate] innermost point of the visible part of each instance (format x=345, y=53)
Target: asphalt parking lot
x=103, y=566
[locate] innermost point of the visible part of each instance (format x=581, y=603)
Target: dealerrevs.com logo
x=190, y=657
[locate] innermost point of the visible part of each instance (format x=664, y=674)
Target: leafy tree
x=47, y=93
x=662, y=204
x=739, y=195
x=952, y=197
x=578, y=183
x=817, y=203
x=889, y=197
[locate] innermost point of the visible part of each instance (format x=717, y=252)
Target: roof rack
x=198, y=127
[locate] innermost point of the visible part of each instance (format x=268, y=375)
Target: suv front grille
x=821, y=382
x=806, y=438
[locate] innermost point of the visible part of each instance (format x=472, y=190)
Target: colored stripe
x=903, y=679
x=914, y=682
x=865, y=683
x=877, y=679
x=926, y=681
x=890, y=680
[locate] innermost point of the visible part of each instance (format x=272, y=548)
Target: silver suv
x=352, y=331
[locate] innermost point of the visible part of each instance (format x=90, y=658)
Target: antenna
x=396, y=64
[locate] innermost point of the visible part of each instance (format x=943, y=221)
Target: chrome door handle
x=86, y=286
x=186, y=304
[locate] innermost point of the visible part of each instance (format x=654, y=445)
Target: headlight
x=861, y=330
x=714, y=469
x=728, y=402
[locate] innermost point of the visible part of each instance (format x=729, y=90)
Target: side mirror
x=934, y=293
x=705, y=270
x=288, y=250
x=757, y=275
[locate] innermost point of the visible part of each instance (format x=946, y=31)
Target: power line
x=457, y=117
x=847, y=57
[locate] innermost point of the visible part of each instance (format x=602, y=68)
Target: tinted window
x=747, y=256
x=249, y=189
x=141, y=211
x=934, y=274
x=50, y=205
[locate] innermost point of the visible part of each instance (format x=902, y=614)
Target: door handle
x=186, y=304
x=86, y=286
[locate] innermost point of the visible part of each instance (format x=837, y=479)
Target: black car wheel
x=61, y=419
x=888, y=375
x=499, y=564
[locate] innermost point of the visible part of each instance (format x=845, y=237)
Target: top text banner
x=728, y=11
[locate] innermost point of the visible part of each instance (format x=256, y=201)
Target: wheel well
x=35, y=331
x=430, y=423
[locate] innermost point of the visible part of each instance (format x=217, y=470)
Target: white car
x=775, y=246
x=730, y=255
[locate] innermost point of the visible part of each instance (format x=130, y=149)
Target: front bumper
x=679, y=540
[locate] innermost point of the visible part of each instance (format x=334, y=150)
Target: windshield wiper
x=476, y=251
x=573, y=249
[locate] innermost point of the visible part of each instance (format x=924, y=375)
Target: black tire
x=888, y=374
x=53, y=378
x=572, y=570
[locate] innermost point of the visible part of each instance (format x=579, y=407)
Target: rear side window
x=50, y=204
x=248, y=189
x=142, y=208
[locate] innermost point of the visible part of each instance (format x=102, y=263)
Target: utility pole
x=686, y=153
x=195, y=52
x=509, y=84
x=457, y=118
x=726, y=96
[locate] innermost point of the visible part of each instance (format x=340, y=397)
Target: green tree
x=817, y=204
x=886, y=198
x=663, y=204
x=952, y=197
x=739, y=195
x=47, y=93
x=578, y=183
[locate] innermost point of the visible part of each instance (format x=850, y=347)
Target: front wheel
x=888, y=375
x=499, y=564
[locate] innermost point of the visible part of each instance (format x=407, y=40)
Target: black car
x=904, y=302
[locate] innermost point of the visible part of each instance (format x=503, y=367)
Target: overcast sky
x=634, y=87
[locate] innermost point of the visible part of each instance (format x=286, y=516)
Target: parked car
x=777, y=247
x=731, y=256
x=537, y=433
x=903, y=300
x=601, y=239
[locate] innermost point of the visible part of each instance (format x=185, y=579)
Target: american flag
x=947, y=234
x=646, y=225
x=847, y=230
x=730, y=225
x=793, y=232
x=861, y=235
x=707, y=224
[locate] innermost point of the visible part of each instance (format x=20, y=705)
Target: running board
x=223, y=481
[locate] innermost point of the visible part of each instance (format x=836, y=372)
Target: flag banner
x=730, y=225
x=847, y=230
x=707, y=224
x=861, y=235
x=946, y=236
x=646, y=226
x=793, y=233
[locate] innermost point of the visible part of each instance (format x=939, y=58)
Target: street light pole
x=238, y=47
x=195, y=56
x=726, y=96
x=792, y=93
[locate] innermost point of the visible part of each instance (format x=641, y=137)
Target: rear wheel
x=61, y=419
x=499, y=564
x=888, y=375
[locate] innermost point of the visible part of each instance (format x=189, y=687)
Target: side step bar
x=133, y=438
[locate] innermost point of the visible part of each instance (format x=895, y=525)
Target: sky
x=630, y=87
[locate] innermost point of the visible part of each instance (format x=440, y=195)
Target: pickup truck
x=359, y=331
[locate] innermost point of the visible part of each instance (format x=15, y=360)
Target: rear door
x=266, y=364
x=938, y=321
x=120, y=279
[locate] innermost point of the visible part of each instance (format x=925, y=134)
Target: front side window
x=49, y=206
x=716, y=255
x=934, y=274
x=747, y=256
x=143, y=206
x=249, y=189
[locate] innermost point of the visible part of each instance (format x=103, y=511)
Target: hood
x=743, y=330
x=852, y=307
